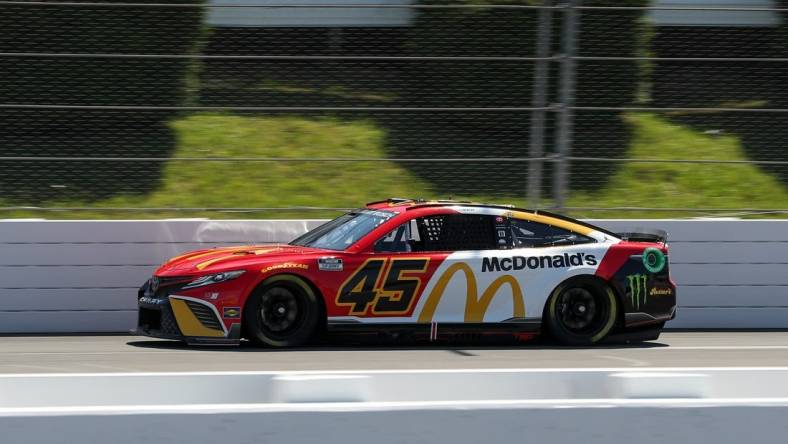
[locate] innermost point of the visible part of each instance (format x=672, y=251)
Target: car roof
x=400, y=205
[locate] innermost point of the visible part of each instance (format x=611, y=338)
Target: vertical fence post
x=539, y=100
x=567, y=95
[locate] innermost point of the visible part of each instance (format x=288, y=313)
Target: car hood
x=222, y=258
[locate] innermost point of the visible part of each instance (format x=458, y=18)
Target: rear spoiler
x=659, y=236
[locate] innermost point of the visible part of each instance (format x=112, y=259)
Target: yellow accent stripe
x=188, y=322
x=192, y=256
x=205, y=264
x=475, y=309
x=264, y=250
x=571, y=226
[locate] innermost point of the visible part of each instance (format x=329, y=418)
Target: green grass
x=294, y=181
x=284, y=183
x=682, y=185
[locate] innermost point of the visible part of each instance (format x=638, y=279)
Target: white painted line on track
x=398, y=371
x=193, y=352
x=388, y=406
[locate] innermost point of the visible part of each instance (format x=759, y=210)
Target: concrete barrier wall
x=415, y=406
x=82, y=276
x=288, y=389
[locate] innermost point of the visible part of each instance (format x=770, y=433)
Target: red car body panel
x=404, y=282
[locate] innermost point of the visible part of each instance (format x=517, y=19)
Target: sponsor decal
x=329, y=264
x=231, y=312
x=285, y=265
x=502, y=232
x=639, y=291
x=153, y=301
x=382, y=214
x=637, y=287
x=654, y=260
x=535, y=262
x=475, y=306
x=212, y=295
x=660, y=292
x=388, y=286
x=391, y=287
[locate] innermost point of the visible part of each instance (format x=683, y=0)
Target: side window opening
x=456, y=232
x=444, y=232
x=527, y=234
x=396, y=241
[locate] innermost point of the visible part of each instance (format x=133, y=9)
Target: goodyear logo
x=285, y=265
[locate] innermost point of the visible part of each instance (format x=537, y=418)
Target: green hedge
x=512, y=32
x=621, y=33
x=89, y=81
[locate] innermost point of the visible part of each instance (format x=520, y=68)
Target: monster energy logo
x=637, y=288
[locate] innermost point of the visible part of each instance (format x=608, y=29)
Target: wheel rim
x=581, y=312
x=279, y=311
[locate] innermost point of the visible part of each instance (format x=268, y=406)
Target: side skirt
x=435, y=330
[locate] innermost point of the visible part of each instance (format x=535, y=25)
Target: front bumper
x=155, y=318
x=165, y=315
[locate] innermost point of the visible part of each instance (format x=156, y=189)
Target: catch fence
x=302, y=108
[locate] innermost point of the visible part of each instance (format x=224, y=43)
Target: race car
x=429, y=269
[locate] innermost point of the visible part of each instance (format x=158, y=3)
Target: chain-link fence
x=258, y=108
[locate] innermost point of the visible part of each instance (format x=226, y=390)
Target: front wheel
x=581, y=312
x=282, y=314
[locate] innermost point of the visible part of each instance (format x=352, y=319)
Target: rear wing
x=659, y=236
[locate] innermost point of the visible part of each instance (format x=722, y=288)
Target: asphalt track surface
x=91, y=354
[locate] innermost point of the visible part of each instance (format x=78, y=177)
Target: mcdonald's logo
x=475, y=306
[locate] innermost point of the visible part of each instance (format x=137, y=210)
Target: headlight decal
x=213, y=279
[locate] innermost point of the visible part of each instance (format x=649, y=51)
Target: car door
x=459, y=291
x=386, y=282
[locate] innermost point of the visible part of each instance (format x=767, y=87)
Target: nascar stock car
x=434, y=269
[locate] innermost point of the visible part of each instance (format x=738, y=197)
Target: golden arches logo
x=475, y=307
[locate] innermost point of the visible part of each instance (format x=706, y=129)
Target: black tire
x=284, y=312
x=581, y=311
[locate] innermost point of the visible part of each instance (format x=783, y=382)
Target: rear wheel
x=581, y=312
x=284, y=313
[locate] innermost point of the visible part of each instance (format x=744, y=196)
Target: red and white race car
x=434, y=269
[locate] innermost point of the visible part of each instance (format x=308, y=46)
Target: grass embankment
x=683, y=185
x=304, y=183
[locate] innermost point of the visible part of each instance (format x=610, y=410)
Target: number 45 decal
x=392, y=295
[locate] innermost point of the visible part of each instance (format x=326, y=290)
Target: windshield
x=343, y=231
